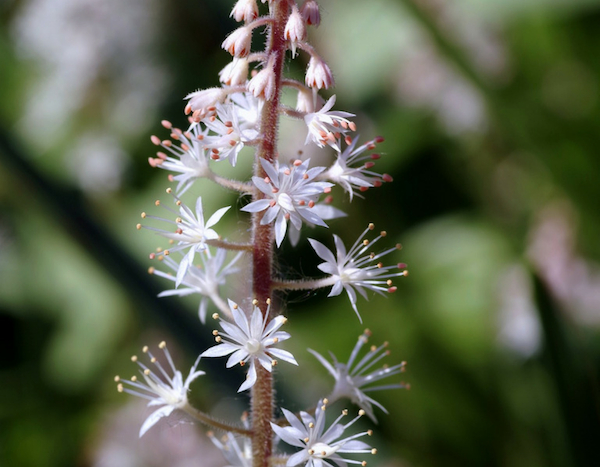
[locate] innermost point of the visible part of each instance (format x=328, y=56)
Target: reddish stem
x=262, y=239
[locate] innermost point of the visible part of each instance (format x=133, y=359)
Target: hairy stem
x=262, y=237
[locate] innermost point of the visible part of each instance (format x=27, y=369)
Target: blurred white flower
x=168, y=391
x=353, y=379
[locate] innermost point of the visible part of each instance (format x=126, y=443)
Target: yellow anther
x=143, y=214
x=215, y=333
x=138, y=226
x=134, y=358
x=162, y=345
x=371, y=226
x=133, y=378
x=169, y=190
x=120, y=387
x=215, y=316
x=147, y=371
x=117, y=379
x=361, y=412
x=255, y=302
x=383, y=233
x=145, y=349
x=345, y=412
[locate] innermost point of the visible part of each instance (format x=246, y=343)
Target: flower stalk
x=282, y=200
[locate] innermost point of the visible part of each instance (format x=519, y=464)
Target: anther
x=117, y=379
x=134, y=378
x=392, y=289
x=235, y=306
x=147, y=372
x=215, y=332
x=352, y=126
x=365, y=242
x=145, y=349
x=374, y=451
x=162, y=345
x=218, y=339
x=387, y=178
x=268, y=301
x=345, y=412
x=311, y=425
x=151, y=269
x=327, y=189
x=215, y=316
x=255, y=302
x=369, y=432
x=361, y=412
x=120, y=387
x=389, y=282
x=274, y=362
x=398, y=246
x=155, y=140
x=134, y=358
x=138, y=226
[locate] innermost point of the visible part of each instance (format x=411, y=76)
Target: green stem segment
x=262, y=239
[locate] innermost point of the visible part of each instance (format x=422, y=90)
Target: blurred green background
x=490, y=110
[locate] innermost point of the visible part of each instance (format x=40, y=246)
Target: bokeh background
x=490, y=110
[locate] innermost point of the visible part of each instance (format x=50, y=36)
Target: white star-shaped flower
x=250, y=341
x=191, y=233
x=290, y=194
x=187, y=156
x=357, y=270
x=204, y=279
x=228, y=137
x=319, y=446
x=168, y=391
x=352, y=379
x=358, y=177
x=325, y=127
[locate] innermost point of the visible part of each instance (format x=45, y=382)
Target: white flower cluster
x=282, y=199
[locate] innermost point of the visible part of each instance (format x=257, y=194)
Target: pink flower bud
x=238, y=42
x=295, y=29
x=263, y=83
x=310, y=13
x=318, y=74
x=234, y=73
x=245, y=10
x=204, y=98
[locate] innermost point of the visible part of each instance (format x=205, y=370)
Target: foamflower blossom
x=325, y=127
x=250, y=340
x=204, y=279
x=237, y=450
x=227, y=137
x=351, y=169
x=354, y=378
x=188, y=158
x=191, y=232
x=319, y=446
x=357, y=270
x=290, y=194
x=160, y=389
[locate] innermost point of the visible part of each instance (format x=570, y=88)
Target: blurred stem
x=577, y=396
